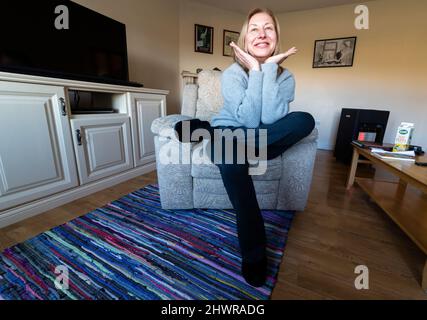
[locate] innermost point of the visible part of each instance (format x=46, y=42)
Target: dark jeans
x=281, y=135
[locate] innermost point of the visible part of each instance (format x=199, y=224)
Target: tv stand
x=51, y=155
x=135, y=84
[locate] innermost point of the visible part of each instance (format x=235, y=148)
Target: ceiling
x=277, y=6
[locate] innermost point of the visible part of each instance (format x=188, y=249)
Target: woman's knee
x=304, y=119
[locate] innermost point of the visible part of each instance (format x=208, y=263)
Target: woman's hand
x=245, y=58
x=282, y=56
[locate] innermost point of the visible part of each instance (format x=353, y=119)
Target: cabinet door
x=144, y=109
x=36, y=153
x=103, y=146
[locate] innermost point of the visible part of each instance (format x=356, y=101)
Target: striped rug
x=133, y=249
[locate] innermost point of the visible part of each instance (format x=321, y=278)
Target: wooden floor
x=338, y=231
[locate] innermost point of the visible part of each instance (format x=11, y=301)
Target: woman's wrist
x=256, y=68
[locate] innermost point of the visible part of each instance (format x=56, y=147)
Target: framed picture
x=229, y=36
x=203, y=39
x=337, y=52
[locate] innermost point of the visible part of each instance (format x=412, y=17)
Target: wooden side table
x=407, y=207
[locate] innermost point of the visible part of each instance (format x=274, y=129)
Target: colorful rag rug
x=133, y=249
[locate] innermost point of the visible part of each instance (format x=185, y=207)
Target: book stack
x=396, y=155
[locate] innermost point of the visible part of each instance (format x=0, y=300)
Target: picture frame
x=332, y=53
x=228, y=37
x=203, y=39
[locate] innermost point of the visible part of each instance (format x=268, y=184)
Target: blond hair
x=242, y=38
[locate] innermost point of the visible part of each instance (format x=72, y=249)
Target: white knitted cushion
x=210, y=100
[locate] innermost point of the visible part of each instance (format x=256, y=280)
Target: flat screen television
x=93, y=48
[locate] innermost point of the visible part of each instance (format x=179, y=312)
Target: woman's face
x=261, y=38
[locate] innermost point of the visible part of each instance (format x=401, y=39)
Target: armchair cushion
x=211, y=193
x=189, y=100
x=203, y=168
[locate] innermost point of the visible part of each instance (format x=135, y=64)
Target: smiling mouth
x=262, y=45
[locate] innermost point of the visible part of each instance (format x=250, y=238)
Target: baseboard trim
x=34, y=208
x=324, y=146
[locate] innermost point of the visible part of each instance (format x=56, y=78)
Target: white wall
x=192, y=13
x=389, y=72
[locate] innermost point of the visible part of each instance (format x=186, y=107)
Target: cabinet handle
x=79, y=137
x=63, y=106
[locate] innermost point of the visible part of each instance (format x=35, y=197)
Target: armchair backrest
x=202, y=97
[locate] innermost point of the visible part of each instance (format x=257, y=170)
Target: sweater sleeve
x=243, y=100
x=277, y=93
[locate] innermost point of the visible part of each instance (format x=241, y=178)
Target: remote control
x=422, y=164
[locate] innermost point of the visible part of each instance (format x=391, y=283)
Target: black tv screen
x=93, y=48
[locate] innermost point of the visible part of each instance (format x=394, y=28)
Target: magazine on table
x=400, y=155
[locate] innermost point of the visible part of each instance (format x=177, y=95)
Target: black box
x=359, y=124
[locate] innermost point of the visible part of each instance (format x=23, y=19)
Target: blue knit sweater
x=254, y=98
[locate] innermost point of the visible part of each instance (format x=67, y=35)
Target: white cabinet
x=144, y=109
x=61, y=140
x=36, y=153
x=103, y=146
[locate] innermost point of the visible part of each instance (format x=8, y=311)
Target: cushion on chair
x=203, y=168
x=211, y=193
x=210, y=101
x=189, y=100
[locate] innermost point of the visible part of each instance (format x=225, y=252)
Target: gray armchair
x=187, y=179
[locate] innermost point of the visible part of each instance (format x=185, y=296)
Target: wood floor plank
x=341, y=229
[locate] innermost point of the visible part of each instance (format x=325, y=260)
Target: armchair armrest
x=164, y=126
x=173, y=163
x=297, y=171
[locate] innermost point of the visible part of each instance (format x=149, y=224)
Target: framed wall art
x=337, y=52
x=203, y=39
x=229, y=36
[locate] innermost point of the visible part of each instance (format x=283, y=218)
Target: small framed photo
x=203, y=39
x=229, y=36
x=337, y=52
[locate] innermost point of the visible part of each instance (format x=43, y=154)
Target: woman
x=257, y=93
